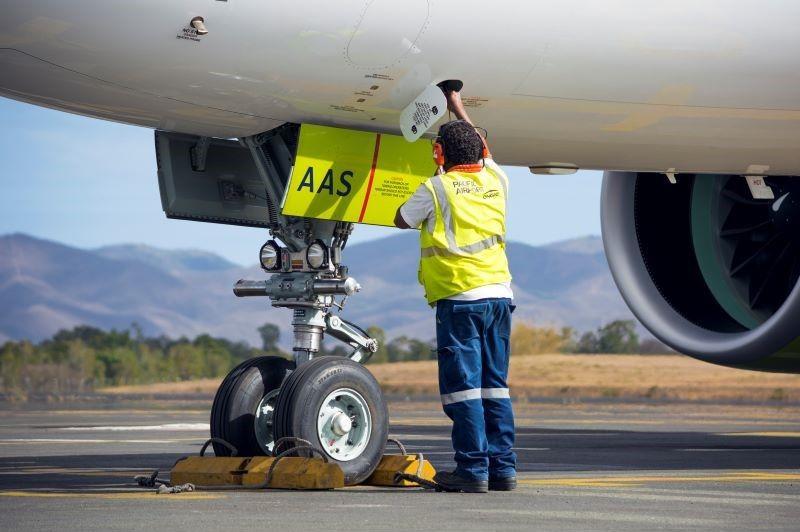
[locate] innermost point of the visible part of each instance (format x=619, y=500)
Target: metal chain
x=399, y=445
x=234, y=451
x=288, y=439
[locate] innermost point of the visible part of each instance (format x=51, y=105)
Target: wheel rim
x=264, y=422
x=344, y=424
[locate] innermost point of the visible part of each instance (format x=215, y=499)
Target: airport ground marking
x=80, y=472
x=136, y=495
x=643, y=519
x=26, y=441
x=768, y=434
x=627, y=481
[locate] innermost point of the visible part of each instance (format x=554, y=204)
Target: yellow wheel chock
x=295, y=473
x=410, y=465
x=290, y=472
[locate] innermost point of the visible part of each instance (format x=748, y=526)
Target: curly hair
x=461, y=143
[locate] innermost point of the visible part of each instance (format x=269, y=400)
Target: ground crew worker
x=461, y=214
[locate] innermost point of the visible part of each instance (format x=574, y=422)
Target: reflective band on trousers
x=475, y=393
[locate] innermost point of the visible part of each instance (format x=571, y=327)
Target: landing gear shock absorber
x=333, y=402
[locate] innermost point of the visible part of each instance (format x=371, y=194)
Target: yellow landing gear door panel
x=354, y=176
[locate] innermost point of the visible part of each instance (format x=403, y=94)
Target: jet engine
x=710, y=263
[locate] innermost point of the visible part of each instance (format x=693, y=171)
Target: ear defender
x=438, y=153
x=485, y=152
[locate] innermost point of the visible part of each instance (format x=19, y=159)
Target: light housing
x=270, y=256
x=317, y=255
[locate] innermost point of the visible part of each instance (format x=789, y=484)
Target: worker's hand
x=454, y=103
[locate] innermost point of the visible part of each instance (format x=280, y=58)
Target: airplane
x=690, y=107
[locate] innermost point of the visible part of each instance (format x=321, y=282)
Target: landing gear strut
x=333, y=401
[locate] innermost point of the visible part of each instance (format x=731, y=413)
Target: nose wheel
x=333, y=402
x=337, y=405
x=242, y=413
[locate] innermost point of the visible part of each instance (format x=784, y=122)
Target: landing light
x=317, y=255
x=270, y=256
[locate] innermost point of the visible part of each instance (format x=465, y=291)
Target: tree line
x=86, y=358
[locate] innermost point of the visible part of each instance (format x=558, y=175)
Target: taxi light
x=270, y=256
x=317, y=255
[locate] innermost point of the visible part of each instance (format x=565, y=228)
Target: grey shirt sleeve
x=419, y=208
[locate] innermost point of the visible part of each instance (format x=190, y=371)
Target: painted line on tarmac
x=408, y=436
x=81, y=472
x=723, y=450
x=749, y=495
x=450, y=452
x=570, y=434
x=772, y=434
x=124, y=428
x=138, y=495
x=636, y=494
x=623, y=481
x=640, y=518
x=19, y=441
x=112, y=412
x=676, y=422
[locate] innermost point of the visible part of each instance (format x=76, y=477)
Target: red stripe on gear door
x=371, y=176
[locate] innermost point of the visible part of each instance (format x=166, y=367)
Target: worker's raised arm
x=456, y=106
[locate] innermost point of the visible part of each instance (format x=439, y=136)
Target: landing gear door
x=212, y=180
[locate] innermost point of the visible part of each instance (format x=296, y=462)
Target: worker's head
x=461, y=143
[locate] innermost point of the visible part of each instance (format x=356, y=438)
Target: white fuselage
x=694, y=85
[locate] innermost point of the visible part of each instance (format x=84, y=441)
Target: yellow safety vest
x=466, y=248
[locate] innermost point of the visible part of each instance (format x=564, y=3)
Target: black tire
x=301, y=397
x=238, y=397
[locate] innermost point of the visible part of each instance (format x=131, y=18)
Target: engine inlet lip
x=648, y=305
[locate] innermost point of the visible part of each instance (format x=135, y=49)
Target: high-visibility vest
x=466, y=248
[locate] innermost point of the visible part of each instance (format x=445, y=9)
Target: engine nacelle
x=708, y=269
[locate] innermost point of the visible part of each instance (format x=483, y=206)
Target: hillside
x=46, y=286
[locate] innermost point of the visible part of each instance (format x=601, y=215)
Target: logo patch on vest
x=466, y=186
x=491, y=193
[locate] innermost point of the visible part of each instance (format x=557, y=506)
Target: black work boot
x=453, y=482
x=503, y=484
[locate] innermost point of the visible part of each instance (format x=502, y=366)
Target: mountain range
x=46, y=286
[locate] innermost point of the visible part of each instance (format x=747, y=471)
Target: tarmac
x=584, y=467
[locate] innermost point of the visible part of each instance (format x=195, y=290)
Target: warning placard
x=354, y=176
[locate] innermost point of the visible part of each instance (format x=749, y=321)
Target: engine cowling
x=708, y=269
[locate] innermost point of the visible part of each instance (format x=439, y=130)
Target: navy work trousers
x=473, y=353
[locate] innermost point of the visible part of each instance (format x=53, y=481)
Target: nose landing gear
x=333, y=402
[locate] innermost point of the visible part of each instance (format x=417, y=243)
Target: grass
x=650, y=377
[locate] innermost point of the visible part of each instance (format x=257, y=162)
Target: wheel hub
x=264, y=422
x=341, y=424
x=344, y=424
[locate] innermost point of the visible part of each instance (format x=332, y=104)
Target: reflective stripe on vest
x=462, y=250
x=453, y=249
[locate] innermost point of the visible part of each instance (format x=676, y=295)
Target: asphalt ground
x=581, y=467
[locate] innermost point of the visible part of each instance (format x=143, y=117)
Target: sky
x=89, y=183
